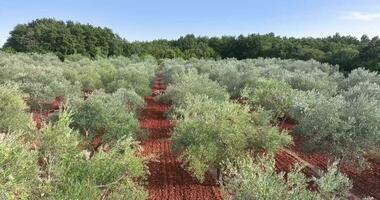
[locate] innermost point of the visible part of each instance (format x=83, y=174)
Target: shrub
x=107, y=71
x=193, y=84
x=89, y=77
x=209, y=132
x=75, y=97
x=257, y=179
x=319, y=120
x=13, y=110
x=70, y=173
x=19, y=170
x=228, y=75
x=350, y=126
x=58, y=145
x=134, y=76
x=130, y=79
x=368, y=89
x=172, y=68
x=359, y=75
x=40, y=77
x=316, y=80
x=85, y=71
x=42, y=87
x=270, y=94
x=107, y=116
x=130, y=99
x=45, y=77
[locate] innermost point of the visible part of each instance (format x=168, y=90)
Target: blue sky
x=153, y=19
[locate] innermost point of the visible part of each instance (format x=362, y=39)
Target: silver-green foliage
x=70, y=173
x=359, y=75
x=109, y=115
x=133, y=77
x=315, y=80
x=130, y=99
x=347, y=108
x=171, y=68
x=351, y=126
x=13, y=110
x=18, y=168
x=194, y=84
x=236, y=74
x=45, y=77
x=248, y=178
x=367, y=89
x=270, y=94
x=209, y=132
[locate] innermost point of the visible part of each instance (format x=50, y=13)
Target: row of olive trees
x=44, y=77
x=213, y=132
x=331, y=110
x=55, y=163
x=61, y=161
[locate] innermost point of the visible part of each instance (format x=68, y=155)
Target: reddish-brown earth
x=40, y=116
x=168, y=179
x=365, y=183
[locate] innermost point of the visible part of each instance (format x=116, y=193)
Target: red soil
x=365, y=183
x=168, y=179
x=40, y=117
x=57, y=103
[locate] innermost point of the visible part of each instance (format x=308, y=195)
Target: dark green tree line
x=63, y=38
x=66, y=38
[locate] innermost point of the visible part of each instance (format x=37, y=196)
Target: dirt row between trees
x=168, y=179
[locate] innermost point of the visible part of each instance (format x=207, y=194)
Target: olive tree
x=208, y=132
x=351, y=126
x=13, y=110
x=257, y=178
x=271, y=95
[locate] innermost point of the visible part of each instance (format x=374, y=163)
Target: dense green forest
x=66, y=38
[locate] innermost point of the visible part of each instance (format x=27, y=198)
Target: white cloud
x=359, y=16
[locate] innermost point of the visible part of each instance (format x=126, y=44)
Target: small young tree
x=368, y=89
x=359, y=75
x=350, y=126
x=107, y=116
x=19, y=170
x=135, y=76
x=130, y=99
x=271, y=95
x=314, y=80
x=248, y=178
x=209, y=132
x=70, y=173
x=13, y=110
x=194, y=84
